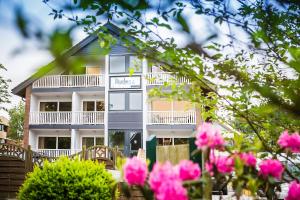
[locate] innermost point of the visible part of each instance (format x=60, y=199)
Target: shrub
x=68, y=179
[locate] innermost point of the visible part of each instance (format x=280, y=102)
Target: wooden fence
x=16, y=162
x=172, y=153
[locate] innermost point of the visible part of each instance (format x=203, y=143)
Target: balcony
x=171, y=117
x=160, y=78
x=57, y=152
x=60, y=81
x=79, y=117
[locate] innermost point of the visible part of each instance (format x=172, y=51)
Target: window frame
x=127, y=99
x=127, y=64
x=52, y=136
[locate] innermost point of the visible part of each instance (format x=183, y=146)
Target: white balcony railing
x=50, y=118
x=89, y=117
x=80, y=117
x=171, y=117
x=57, y=152
x=57, y=81
x=160, y=78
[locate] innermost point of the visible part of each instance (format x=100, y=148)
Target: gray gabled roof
x=20, y=89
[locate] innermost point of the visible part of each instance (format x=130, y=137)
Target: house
x=104, y=105
x=3, y=127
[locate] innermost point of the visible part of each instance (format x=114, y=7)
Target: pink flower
x=294, y=191
x=248, y=158
x=161, y=173
x=171, y=190
x=165, y=182
x=210, y=168
x=271, y=168
x=224, y=164
x=135, y=171
x=188, y=170
x=291, y=142
x=209, y=137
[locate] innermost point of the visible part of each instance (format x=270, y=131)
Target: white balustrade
x=50, y=118
x=160, y=78
x=171, y=117
x=80, y=117
x=57, y=81
x=89, y=117
x=57, y=152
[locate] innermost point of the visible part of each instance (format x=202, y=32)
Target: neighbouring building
x=104, y=105
x=3, y=127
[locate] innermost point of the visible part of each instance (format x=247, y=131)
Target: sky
x=22, y=65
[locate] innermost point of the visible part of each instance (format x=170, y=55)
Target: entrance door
x=128, y=141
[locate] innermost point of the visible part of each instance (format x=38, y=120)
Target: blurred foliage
x=4, y=94
x=16, y=121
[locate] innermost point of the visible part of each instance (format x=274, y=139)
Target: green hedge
x=68, y=179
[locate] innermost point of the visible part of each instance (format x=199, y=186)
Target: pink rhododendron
x=187, y=170
x=294, y=191
x=135, y=171
x=171, y=190
x=210, y=168
x=224, y=164
x=165, y=182
x=160, y=173
x=248, y=158
x=209, y=137
x=291, y=142
x=272, y=168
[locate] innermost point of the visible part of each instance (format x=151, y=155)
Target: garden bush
x=68, y=179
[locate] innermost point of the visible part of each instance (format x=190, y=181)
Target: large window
x=135, y=101
x=116, y=101
x=55, y=106
x=117, y=64
x=54, y=143
x=125, y=101
x=92, y=141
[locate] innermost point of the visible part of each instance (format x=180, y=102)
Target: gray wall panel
x=125, y=120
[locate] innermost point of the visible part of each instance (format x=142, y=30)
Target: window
x=180, y=141
x=47, y=143
x=64, y=143
x=92, y=141
x=65, y=106
x=171, y=141
x=117, y=64
x=92, y=69
x=89, y=106
x=48, y=106
x=116, y=101
x=135, y=63
x=116, y=139
x=93, y=106
x=54, y=143
x=135, y=101
x=1, y=127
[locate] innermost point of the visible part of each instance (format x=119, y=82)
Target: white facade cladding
x=108, y=104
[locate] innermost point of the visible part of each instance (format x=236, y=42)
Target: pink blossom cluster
x=187, y=170
x=166, y=184
x=272, y=168
x=209, y=137
x=291, y=142
x=294, y=191
x=223, y=164
x=135, y=171
x=248, y=158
